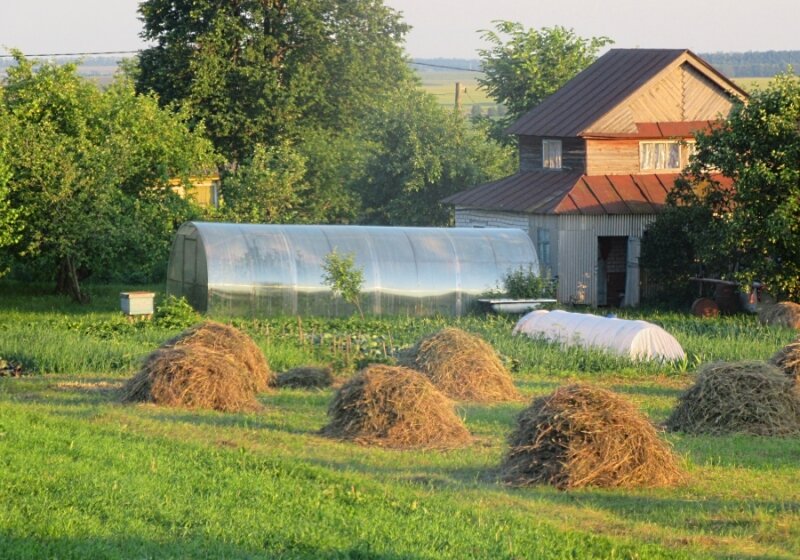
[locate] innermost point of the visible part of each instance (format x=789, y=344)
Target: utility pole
x=458, y=97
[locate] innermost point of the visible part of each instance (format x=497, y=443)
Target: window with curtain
x=659, y=155
x=551, y=154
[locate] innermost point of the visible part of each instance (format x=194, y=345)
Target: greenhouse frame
x=258, y=270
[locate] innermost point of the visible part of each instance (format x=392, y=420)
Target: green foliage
x=89, y=174
x=344, y=278
x=175, y=313
x=421, y=153
x=268, y=188
x=749, y=232
x=255, y=72
x=526, y=283
x=522, y=67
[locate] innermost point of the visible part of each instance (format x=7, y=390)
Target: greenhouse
x=261, y=270
x=638, y=340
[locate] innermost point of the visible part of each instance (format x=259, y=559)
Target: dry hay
x=747, y=397
x=396, y=407
x=784, y=314
x=228, y=340
x=193, y=376
x=462, y=366
x=582, y=435
x=788, y=359
x=305, y=377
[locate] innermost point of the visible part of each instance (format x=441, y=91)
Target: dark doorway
x=612, y=263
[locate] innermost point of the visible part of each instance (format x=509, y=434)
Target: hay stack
x=305, y=377
x=394, y=407
x=462, y=366
x=788, y=359
x=228, y=340
x=193, y=376
x=587, y=436
x=783, y=314
x=747, y=397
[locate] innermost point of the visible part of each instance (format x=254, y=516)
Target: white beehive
x=137, y=303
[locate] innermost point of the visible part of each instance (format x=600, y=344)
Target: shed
x=639, y=340
x=268, y=270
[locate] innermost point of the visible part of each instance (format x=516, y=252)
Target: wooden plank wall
x=683, y=94
x=703, y=100
x=612, y=157
x=573, y=153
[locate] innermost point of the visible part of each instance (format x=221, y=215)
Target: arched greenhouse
x=265, y=269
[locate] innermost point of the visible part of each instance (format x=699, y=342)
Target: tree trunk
x=67, y=281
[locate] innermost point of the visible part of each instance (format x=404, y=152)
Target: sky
x=449, y=28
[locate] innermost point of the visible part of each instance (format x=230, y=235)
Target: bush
x=175, y=312
x=525, y=283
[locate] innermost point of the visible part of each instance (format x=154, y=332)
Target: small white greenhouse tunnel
x=638, y=340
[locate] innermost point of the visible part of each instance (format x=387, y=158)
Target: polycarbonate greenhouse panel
x=261, y=270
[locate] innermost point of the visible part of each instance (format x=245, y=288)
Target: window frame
x=548, y=144
x=676, y=143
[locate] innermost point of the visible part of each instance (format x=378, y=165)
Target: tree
x=522, y=67
x=419, y=154
x=257, y=71
x=90, y=174
x=344, y=278
x=750, y=231
x=268, y=188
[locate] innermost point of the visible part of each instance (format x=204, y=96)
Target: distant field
x=443, y=86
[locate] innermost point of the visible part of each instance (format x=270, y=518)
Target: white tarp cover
x=639, y=340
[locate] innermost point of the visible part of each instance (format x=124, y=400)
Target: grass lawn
x=83, y=476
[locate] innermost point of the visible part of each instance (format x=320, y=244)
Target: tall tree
x=90, y=171
x=754, y=225
x=523, y=66
x=253, y=70
x=419, y=154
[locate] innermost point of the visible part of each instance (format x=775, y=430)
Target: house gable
x=685, y=90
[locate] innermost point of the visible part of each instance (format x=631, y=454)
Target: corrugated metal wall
x=577, y=250
x=573, y=244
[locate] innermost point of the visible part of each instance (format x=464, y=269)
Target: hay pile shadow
x=783, y=314
x=305, y=377
x=738, y=397
x=193, y=376
x=395, y=407
x=462, y=366
x=788, y=360
x=210, y=365
x=582, y=435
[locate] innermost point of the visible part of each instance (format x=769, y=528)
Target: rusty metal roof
x=533, y=192
x=654, y=130
x=599, y=88
x=548, y=192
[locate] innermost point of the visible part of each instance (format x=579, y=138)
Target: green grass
x=83, y=476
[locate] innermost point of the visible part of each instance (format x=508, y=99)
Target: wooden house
x=597, y=159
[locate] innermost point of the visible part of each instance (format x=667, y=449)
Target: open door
x=612, y=268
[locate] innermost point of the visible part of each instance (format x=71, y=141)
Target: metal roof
x=548, y=192
x=602, y=86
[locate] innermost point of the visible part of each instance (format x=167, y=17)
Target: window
x=543, y=247
x=551, y=154
x=660, y=155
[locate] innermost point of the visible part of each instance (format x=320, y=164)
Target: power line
x=42, y=55
x=447, y=67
